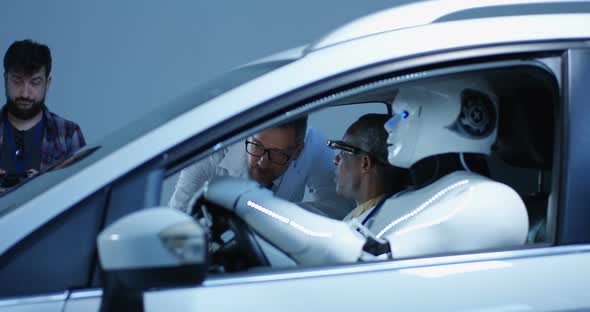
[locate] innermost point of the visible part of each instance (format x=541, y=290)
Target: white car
x=535, y=54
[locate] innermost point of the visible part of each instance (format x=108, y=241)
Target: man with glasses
x=32, y=137
x=287, y=159
x=362, y=170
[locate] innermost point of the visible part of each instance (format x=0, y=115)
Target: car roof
x=436, y=11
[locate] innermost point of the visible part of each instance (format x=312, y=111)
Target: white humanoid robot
x=437, y=131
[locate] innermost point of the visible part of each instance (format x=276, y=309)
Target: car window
x=521, y=156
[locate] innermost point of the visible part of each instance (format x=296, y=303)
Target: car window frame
x=288, y=110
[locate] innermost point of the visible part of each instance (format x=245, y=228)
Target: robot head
x=451, y=116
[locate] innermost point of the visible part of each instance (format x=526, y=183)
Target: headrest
x=526, y=128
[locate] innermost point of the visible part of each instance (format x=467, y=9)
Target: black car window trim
x=573, y=221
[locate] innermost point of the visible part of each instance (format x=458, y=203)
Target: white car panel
x=513, y=285
x=406, y=16
x=48, y=303
x=290, y=54
x=84, y=301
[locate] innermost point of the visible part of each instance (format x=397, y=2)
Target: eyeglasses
x=346, y=147
x=275, y=156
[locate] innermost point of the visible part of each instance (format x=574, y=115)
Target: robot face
x=449, y=116
x=399, y=129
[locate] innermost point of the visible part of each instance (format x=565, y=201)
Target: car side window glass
x=440, y=179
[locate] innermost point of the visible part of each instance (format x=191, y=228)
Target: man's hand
x=2, y=174
x=31, y=172
x=10, y=180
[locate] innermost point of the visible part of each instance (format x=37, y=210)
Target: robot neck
x=430, y=169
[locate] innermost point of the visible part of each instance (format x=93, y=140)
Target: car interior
x=522, y=156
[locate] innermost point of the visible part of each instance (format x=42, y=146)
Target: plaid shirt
x=61, y=140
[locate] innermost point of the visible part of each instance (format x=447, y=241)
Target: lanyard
x=21, y=167
x=377, y=208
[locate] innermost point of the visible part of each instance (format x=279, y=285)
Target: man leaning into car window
x=286, y=159
x=362, y=170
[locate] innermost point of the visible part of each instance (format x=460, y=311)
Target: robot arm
x=480, y=215
x=306, y=237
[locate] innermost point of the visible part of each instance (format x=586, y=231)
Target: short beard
x=24, y=114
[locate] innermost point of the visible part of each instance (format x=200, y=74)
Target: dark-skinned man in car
x=362, y=170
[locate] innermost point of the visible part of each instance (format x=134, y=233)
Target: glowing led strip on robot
x=422, y=207
x=292, y=223
x=462, y=205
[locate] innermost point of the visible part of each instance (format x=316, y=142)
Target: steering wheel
x=233, y=246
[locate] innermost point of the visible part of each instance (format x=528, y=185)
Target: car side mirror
x=152, y=248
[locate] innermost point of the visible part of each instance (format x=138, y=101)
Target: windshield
x=11, y=198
